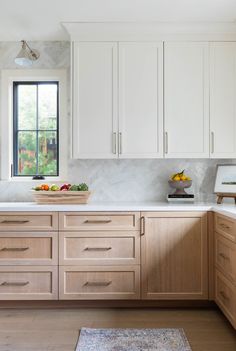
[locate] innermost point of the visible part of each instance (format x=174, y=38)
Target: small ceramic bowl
x=180, y=185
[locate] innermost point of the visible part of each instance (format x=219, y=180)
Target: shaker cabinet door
x=186, y=99
x=140, y=100
x=94, y=124
x=222, y=99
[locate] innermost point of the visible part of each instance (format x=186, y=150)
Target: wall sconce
x=26, y=55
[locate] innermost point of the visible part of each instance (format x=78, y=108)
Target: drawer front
x=28, y=283
x=225, y=256
x=99, y=221
x=225, y=226
x=226, y=297
x=28, y=248
x=97, y=283
x=91, y=248
x=42, y=221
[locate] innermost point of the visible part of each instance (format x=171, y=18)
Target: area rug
x=132, y=340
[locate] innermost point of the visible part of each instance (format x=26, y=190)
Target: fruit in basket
x=176, y=177
x=65, y=187
x=54, y=187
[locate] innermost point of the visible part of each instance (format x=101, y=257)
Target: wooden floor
x=57, y=330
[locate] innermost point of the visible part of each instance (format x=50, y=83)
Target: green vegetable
x=80, y=187
x=83, y=187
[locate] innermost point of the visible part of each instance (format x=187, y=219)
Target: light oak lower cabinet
x=174, y=256
x=28, y=283
x=99, y=283
x=225, y=266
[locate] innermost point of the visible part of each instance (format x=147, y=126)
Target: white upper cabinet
x=140, y=100
x=94, y=100
x=186, y=99
x=223, y=99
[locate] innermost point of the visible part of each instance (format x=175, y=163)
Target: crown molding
x=126, y=31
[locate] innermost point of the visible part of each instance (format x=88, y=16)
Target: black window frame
x=16, y=130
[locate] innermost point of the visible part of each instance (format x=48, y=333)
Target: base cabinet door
x=174, y=255
x=99, y=283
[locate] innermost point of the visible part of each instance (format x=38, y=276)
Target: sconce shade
x=26, y=56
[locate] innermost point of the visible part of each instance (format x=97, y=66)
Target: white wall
x=121, y=180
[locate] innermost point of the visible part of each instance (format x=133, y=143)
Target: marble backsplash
x=109, y=180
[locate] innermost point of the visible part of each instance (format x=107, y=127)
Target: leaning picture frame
x=225, y=181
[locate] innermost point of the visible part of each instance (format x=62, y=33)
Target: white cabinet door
x=140, y=100
x=95, y=100
x=223, y=99
x=186, y=99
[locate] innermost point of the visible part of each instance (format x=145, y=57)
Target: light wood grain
x=211, y=255
x=28, y=283
x=28, y=221
x=225, y=256
x=29, y=248
x=99, y=247
x=225, y=226
x=94, y=282
x=61, y=197
x=57, y=330
x=226, y=297
x=174, y=256
x=73, y=221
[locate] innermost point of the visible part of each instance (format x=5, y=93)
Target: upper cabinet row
x=153, y=100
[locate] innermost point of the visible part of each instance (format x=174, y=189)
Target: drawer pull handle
x=224, y=226
x=223, y=256
x=97, y=283
x=14, y=221
x=97, y=221
x=14, y=249
x=142, y=226
x=97, y=248
x=225, y=297
x=14, y=283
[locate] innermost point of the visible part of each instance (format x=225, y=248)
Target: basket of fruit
x=179, y=182
x=65, y=194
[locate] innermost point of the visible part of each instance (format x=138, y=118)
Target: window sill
x=33, y=181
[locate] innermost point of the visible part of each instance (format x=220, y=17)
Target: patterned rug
x=132, y=340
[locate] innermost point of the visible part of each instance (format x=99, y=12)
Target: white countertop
x=226, y=209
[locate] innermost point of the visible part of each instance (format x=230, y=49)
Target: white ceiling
x=41, y=19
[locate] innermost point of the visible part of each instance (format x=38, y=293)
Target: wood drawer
x=21, y=221
x=226, y=297
x=28, y=248
x=225, y=256
x=28, y=283
x=91, y=248
x=225, y=226
x=73, y=221
x=98, y=283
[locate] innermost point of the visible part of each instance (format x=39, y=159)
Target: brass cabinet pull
x=6, y=221
x=14, y=283
x=97, y=249
x=14, y=249
x=166, y=143
x=97, y=221
x=98, y=283
x=223, y=256
x=120, y=143
x=114, y=143
x=142, y=225
x=224, y=226
x=225, y=297
x=212, y=142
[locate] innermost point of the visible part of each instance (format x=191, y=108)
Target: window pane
x=27, y=153
x=27, y=106
x=47, y=153
x=47, y=105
